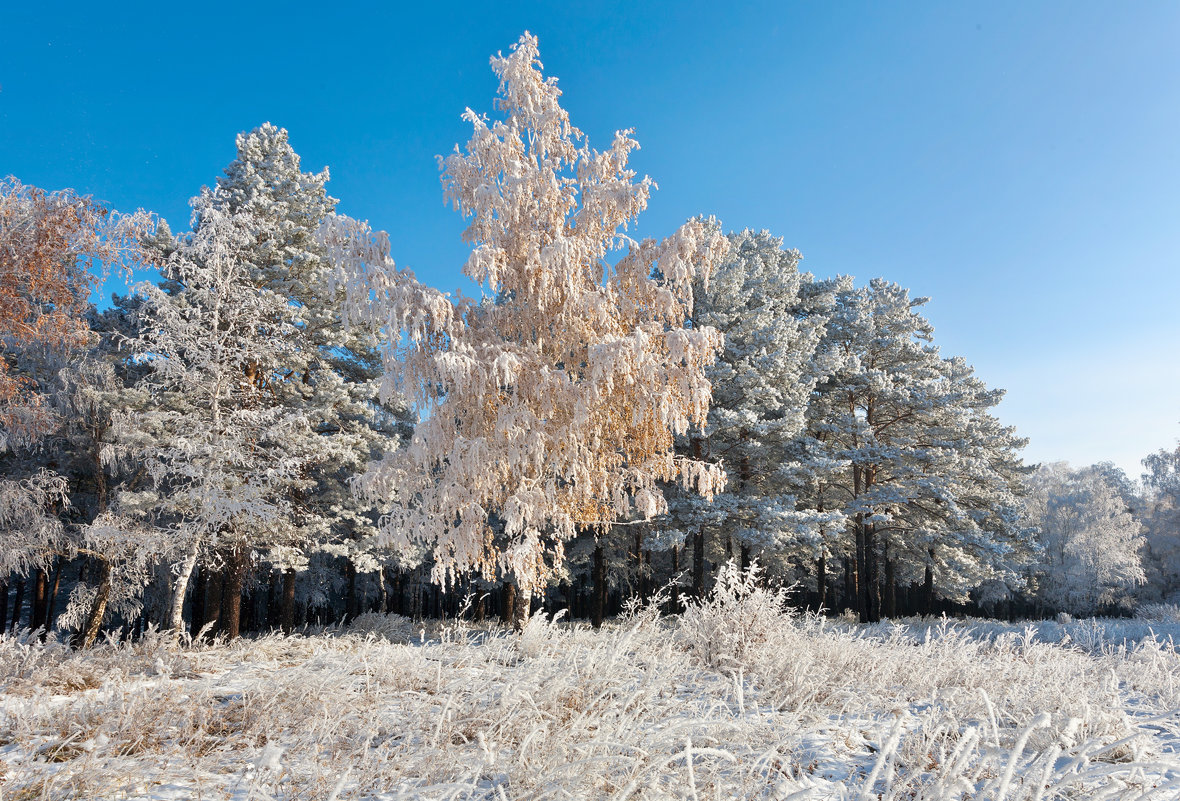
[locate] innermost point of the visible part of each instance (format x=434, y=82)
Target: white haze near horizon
x=1116, y=404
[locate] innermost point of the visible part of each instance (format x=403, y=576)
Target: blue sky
x=1017, y=162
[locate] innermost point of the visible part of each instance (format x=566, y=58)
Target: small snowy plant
x=739, y=619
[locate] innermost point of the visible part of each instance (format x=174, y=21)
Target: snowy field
x=730, y=700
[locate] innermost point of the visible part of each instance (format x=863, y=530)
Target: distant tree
x=552, y=403
x=1161, y=520
x=1090, y=537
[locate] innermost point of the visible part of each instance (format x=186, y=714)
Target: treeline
x=285, y=430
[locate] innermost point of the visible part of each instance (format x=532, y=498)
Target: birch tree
x=1091, y=539
x=551, y=402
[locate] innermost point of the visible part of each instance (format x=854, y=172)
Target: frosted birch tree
x=1091, y=539
x=552, y=402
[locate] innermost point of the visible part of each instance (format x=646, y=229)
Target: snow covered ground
x=730, y=700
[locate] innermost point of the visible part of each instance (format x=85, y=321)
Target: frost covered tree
x=1161, y=521
x=328, y=370
x=1090, y=537
x=53, y=249
x=773, y=318
x=219, y=454
x=550, y=405
x=929, y=481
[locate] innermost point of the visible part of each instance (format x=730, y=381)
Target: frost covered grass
x=733, y=699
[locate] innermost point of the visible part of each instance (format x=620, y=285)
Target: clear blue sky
x=1017, y=162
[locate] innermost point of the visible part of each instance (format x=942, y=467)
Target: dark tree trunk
x=890, y=586
x=698, y=563
x=598, y=608
x=287, y=618
x=640, y=571
x=745, y=557
x=214, y=586
x=50, y=614
x=235, y=579
x=272, y=599
x=850, y=594
x=862, y=593
x=88, y=634
x=352, y=604
x=675, y=579
x=3, y=605
x=873, y=579
x=197, y=605
x=40, y=599
x=821, y=582
x=928, y=586
x=508, y=614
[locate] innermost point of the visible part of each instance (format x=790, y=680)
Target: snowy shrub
x=1163, y=613
x=738, y=619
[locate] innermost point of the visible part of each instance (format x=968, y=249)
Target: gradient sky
x=1019, y=163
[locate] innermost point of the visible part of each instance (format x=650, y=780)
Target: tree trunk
x=745, y=557
x=698, y=563
x=50, y=614
x=821, y=582
x=213, y=590
x=675, y=579
x=235, y=579
x=873, y=579
x=890, y=586
x=40, y=599
x=508, y=615
x=862, y=572
x=928, y=585
x=351, y=604
x=598, y=607
x=180, y=587
x=288, y=603
x=850, y=591
x=87, y=636
x=3, y=605
x=640, y=571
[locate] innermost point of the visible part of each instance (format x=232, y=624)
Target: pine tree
x=773, y=318
x=930, y=480
x=328, y=371
x=219, y=454
x=1161, y=520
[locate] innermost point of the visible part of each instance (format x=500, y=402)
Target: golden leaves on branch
x=54, y=249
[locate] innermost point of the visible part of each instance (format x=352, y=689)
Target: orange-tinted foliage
x=49, y=244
